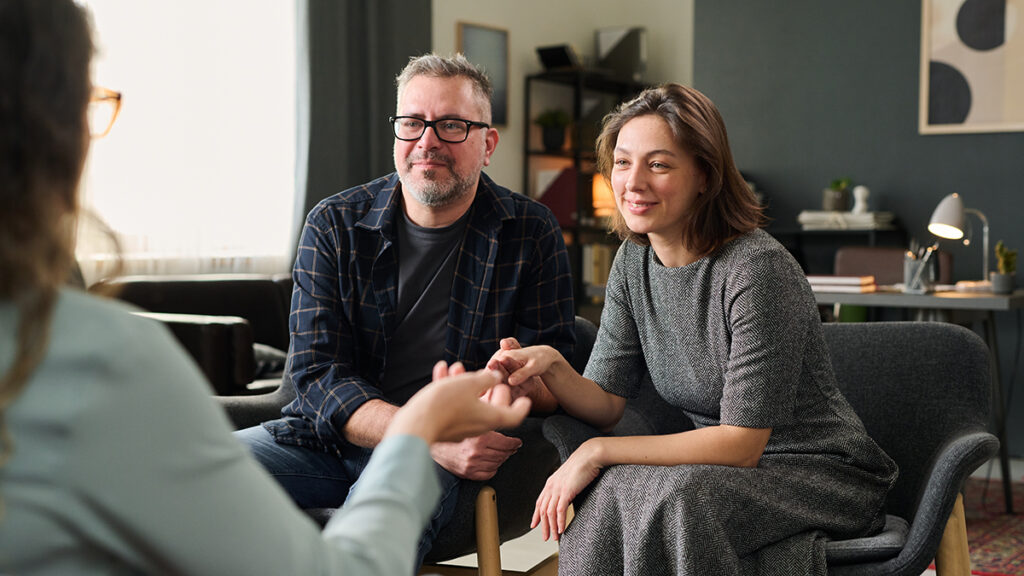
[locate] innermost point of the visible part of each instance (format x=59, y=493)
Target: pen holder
x=919, y=275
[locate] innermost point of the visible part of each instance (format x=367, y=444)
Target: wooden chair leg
x=953, y=557
x=488, y=545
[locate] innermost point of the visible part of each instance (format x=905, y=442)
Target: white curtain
x=198, y=173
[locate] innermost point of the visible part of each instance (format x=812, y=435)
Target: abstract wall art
x=972, y=66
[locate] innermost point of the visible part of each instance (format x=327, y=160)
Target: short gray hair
x=455, y=66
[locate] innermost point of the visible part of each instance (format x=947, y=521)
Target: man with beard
x=434, y=262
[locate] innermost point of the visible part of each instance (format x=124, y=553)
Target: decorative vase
x=1001, y=283
x=553, y=138
x=833, y=200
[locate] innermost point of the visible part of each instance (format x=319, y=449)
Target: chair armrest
x=946, y=477
x=222, y=346
x=247, y=411
x=567, y=433
x=645, y=415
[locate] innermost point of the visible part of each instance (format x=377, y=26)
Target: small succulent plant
x=1006, y=259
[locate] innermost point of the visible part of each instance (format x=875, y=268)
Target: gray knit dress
x=734, y=338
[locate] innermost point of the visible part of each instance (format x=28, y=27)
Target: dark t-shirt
x=426, y=269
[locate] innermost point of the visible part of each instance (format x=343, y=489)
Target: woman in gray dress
x=722, y=319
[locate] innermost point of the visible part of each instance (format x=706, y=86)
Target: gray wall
x=812, y=90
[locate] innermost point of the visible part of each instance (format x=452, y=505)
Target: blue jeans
x=323, y=480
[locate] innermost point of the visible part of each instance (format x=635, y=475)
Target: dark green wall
x=812, y=90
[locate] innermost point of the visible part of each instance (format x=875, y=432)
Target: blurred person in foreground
x=113, y=457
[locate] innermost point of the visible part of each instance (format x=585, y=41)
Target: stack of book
x=855, y=284
x=823, y=220
x=597, y=263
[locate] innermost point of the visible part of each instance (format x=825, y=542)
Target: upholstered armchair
x=922, y=390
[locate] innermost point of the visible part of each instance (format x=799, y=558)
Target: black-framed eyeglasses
x=450, y=130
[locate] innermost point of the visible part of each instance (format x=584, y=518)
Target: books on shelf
x=826, y=220
x=850, y=284
x=597, y=263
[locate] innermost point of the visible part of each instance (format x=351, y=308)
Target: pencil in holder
x=919, y=274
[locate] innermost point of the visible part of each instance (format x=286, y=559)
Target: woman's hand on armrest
x=562, y=487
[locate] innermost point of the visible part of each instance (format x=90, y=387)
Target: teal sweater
x=123, y=464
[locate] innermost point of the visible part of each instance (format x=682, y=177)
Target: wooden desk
x=986, y=303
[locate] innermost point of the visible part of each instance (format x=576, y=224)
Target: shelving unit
x=815, y=250
x=588, y=95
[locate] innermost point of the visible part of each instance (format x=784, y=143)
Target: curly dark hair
x=727, y=207
x=45, y=50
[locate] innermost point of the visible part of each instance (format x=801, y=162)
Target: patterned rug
x=995, y=539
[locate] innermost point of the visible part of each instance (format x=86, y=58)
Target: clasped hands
x=504, y=390
x=479, y=457
x=450, y=416
x=523, y=370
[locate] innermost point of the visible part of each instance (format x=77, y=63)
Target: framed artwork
x=972, y=67
x=487, y=47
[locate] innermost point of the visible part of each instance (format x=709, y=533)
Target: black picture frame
x=487, y=47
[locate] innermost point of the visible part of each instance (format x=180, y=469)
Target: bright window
x=198, y=173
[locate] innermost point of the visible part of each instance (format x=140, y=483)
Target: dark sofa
x=234, y=325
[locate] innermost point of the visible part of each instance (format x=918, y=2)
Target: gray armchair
x=922, y=390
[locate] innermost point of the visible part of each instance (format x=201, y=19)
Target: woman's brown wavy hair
x=45, y=50
x=727, y=208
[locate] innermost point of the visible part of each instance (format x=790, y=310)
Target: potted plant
x=553, y=123
x=1006, y=263
x=836, y=198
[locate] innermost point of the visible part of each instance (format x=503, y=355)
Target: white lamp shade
x=948, y=218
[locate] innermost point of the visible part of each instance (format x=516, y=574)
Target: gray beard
x=436, y=194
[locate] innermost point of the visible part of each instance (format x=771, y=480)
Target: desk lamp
x=948, y=222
